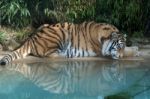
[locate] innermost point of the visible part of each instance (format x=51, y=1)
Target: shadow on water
x=75, y=80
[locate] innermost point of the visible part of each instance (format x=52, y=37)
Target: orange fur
x=66, y=39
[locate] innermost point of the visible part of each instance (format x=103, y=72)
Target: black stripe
x=62, y=25
x=14, y=55
x=71, y=53
x=78, y=38
x=52, y=47
x=17, y=54
x=93, y=44
x=63, y=34
x=54, y=32
x=28, y=46
x=23, y=48
x=51, y=41
x=57, y=39
x=35, y=48
x=87, y=51
x=75, y=50
x=38, y=35
x=76, y=29
x=112, y=45
x=54, y=51
x=69, y=25
x=7, y=60
x=82, y=52
x=86, y=26
x=9, y=57
x=48, y=35
x=72, y=37
x=38, y=42
x=68, y=53
x=84, y=38
x=45, y=43
x=79, y=55
x=32, y=46
x=83, y=34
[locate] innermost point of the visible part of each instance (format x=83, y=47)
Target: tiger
x=70, y=40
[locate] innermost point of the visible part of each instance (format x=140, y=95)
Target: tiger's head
x=114, y=46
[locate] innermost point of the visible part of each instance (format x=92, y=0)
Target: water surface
x=76, y=80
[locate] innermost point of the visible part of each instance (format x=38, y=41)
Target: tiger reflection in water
x=70, y=76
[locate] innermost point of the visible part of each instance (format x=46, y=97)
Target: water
x=76, y=80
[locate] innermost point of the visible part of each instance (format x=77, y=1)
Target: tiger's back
x=65, y=40
x=81, y=40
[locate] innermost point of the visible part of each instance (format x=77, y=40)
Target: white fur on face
x=114, y=53
x=105, y=48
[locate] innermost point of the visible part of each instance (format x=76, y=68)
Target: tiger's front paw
x=132, y=51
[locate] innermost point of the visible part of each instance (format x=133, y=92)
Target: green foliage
x=14, y=12
x=23, y=12
x=80, y=10
x=72, y=10
x=130, y=16
x=2, y=37
x=137, y=34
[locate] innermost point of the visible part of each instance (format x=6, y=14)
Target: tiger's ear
x=114, y=35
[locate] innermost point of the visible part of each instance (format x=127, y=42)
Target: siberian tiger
x=71, y=40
